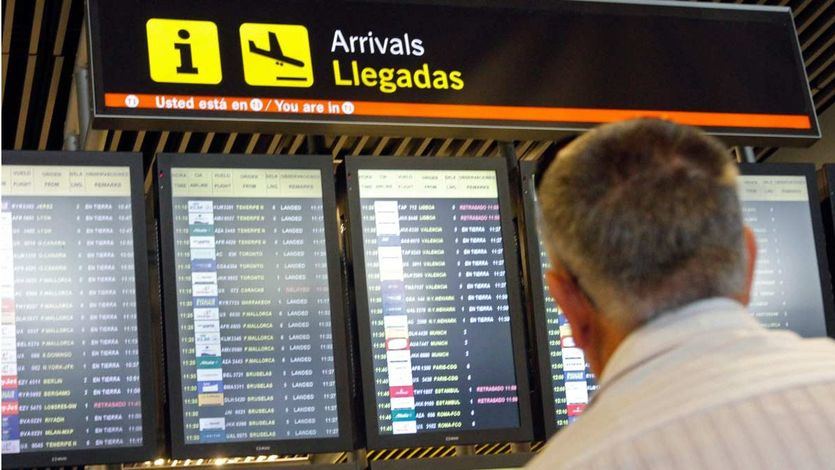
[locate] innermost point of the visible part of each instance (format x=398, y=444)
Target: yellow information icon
x=276, y=55
x=183, y=51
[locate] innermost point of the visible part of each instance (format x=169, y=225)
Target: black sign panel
x=256, y=336
x=440, y=324
x=447, y=67
x=77, y=354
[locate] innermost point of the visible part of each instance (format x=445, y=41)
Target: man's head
x=640, y=217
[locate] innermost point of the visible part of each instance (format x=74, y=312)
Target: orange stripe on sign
x=466, y=111
x=585, y=115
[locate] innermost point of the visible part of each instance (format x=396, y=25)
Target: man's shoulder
x=789, y=423
x=690, y=385
x=704, y=375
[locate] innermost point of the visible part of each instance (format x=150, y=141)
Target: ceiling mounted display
x=447, y=68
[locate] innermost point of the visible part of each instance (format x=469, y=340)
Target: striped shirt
x=706, y=386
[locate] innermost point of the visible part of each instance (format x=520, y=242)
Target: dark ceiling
x=40, y=39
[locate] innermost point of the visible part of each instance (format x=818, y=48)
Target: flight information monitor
x=77, y=388
x=791, y=280
x=565, y=380
x=438, y=303
x=255, y=327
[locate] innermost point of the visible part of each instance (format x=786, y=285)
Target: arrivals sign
x=447, y=68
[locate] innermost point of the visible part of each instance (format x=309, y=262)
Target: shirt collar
x=673, y=328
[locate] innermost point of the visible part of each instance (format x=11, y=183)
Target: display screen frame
x=147, y=367
x=828, y=213
x=829, y=171
x=536, y=299
x=179, y=449
x=376, y=440
x=808, y=172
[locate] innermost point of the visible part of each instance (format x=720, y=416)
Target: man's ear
x=750, y=263
x=573, y=302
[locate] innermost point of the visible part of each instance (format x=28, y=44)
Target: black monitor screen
x=439, y=309
x=566, y=381
x=787, y=289
x=572, y=382
x=70, y=320
x=256, y=348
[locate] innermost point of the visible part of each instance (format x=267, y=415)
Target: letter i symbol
x=184, y=48
x=183, y=51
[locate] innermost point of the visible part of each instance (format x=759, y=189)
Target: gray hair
x=645, y=213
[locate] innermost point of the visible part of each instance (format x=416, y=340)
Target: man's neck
x=600, y=357
x=610, y=337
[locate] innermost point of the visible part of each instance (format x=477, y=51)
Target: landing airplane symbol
x=274, y=52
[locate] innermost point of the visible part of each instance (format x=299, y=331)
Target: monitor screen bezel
x=147, y=368
x=536, y=299
x=828, y=217
x=375, y=440
x=179, y=449
x=808, y=172
x=829, y=171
